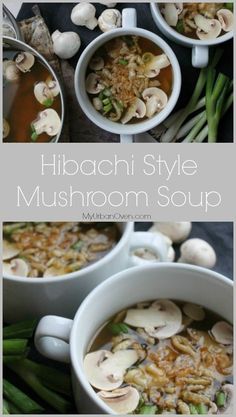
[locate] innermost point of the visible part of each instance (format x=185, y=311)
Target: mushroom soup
x=205, y=21
x=129, y=79
x=31, y=99
x=51, y=249
x=163, y=357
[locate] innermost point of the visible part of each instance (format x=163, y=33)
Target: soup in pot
x=48, y=249
x=163, y=357
x=31, y=99
x=129, y=79
x=205, y=21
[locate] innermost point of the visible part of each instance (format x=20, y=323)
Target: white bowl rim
x=120, y=275
x=189, y=41
x=82, y=272
x=142, y=126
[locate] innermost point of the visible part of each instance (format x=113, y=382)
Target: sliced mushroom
x=186, y=321
x=97, y=103
x=47, y=121
x=109, y=19
x=170, y=13
x=42, y=92
x=137, y=109
x=83, y=14
x=93, y=83
x=5, y=128
x=24, y=61
x=226, y=19
x=194, y=311
x=222, y=333
x=10, y=70
x=156, y=100
x=207, y=28
x=172, y=315
x=96, y=63
x=153, y=67
x=228, y=408
x=105, y=370
x=53, y=87
x=9, y=250
x=122, y=401
x=16, y=267
x=53, y=272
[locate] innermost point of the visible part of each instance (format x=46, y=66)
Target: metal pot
x=18, y=45
x=10, y=27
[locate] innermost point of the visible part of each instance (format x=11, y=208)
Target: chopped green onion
x=34, y=136
x=19, y=399
x=117, y=328
x=123, y=61
x=148, y=409
x=14, y=346
x=106, y=101
x=106, y=92
x=22, y=329
x=193, y=409
x=48, y=102
x=8, y=229
x=78, y=245
x=180, y=26
x=128, y=40
x=107, y=108
x=202, y=409
x=220, y=399
x=10, y=408
x=229, y=6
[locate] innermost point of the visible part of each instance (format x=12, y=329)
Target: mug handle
x=129, y=20
x=200, y=56
x=147, y=240
x=52, y=338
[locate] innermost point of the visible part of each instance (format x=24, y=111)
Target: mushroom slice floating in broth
x=105, y=370
x=10, y=71
x=207, y=28
x=194, y=311
x=171, y=12
x=122, y=400
x=154, y=66
x=226, y=19
x=24, y=61
x=222, y=332
x=137, y=109
x=5, y=128
x=16, y=267
x=10, y=250
x=47, y=121
x=156, y=100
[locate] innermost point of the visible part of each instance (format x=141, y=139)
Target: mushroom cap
x=83, y=14
x=96, y=63
x=194, y=311
x=9, y=250
x=92, y=83
x=222, y=333
x=42, y=92
x=173, y=318
x=47, y=121
x=156, y=100
x=24, y=61
x=197, y=252
x=122, y=400
x=16, y=267
x=53, y=86
x=136, y=109
x=226, y=19
x=109, y=19
x=10, y=70
x=65, y=44
x=176, y=231
x=105, y=370
x=162, y=319
x=207, y=28
x=5, y=128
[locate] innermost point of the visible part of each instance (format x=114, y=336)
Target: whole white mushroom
x=83, y=14
x=109, y=19
x=107, y=3
x=65, y=44
x=197, y=252
x=176, y=231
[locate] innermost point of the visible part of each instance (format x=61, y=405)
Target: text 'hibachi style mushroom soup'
x=129, y=79
x=31, y=99
x=48, y=249
x=163, y=357
x=202, y=21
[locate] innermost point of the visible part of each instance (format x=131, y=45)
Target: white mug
x=200, y=48
x=67, y=341
x=35, y=297
x=126, y=132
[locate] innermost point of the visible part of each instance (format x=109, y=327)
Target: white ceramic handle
x=129, y=18
x=126, y=139
x=147, y=240
x=52, y=338
x=200, y=56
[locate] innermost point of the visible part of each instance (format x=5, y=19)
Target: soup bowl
x=13, y=46
x=26, y=297
x=68, y=341
x=200, y=48
x=126, y=132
